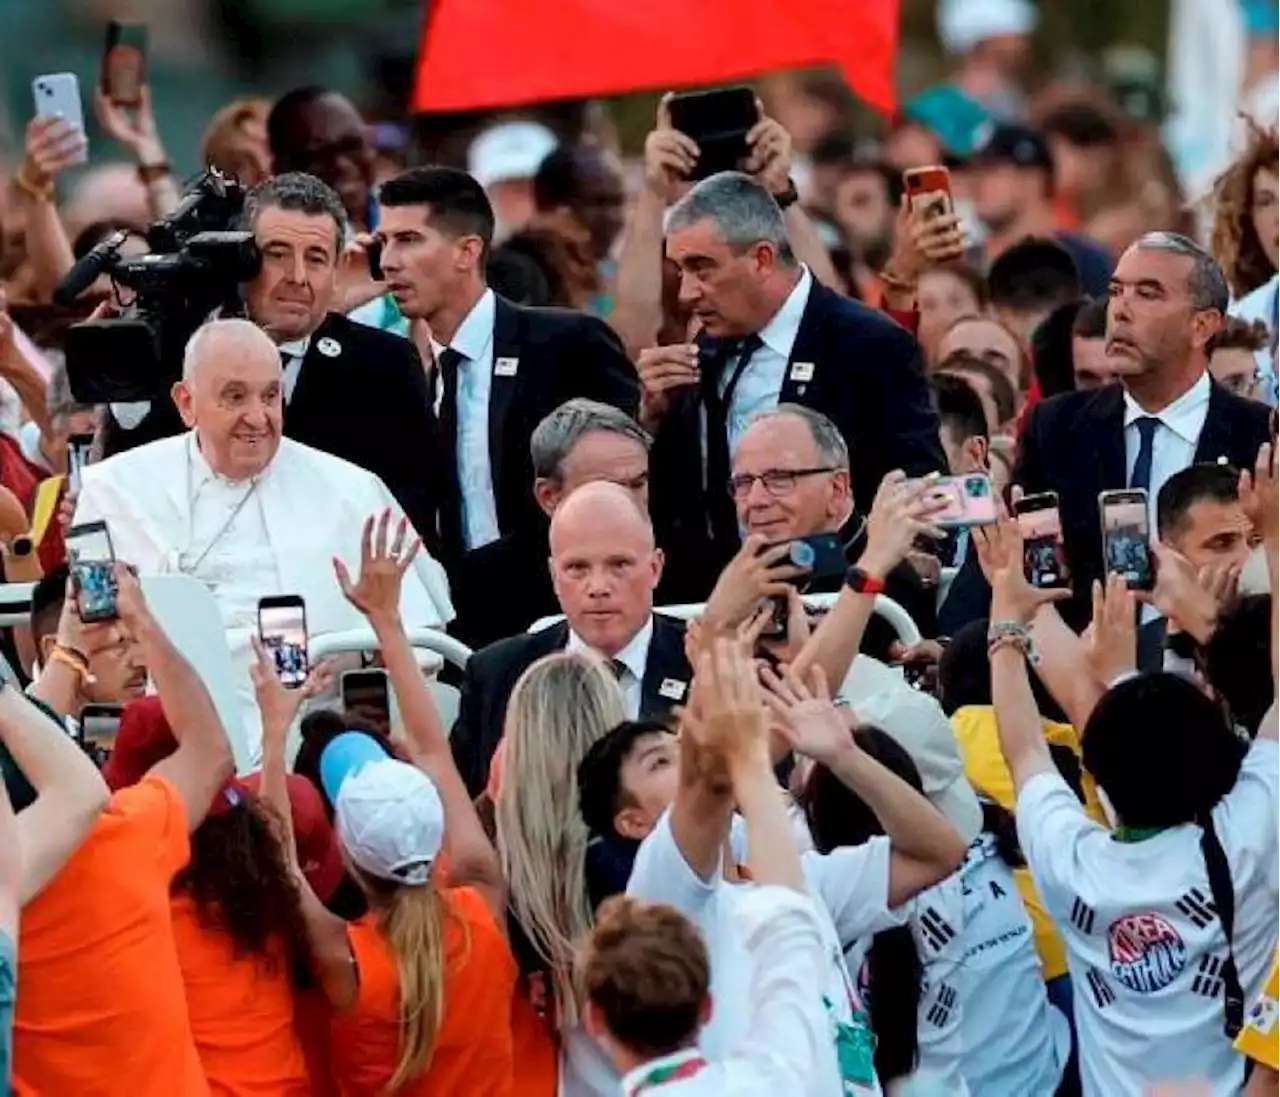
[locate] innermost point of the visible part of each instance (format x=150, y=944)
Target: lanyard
x=1136, y=834
x=661, y=1075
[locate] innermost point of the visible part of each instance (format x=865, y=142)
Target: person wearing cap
x=103, y=1007
x=505, y=159
x=421, y=985
x=993, y=40
x=237, y=923
x=1012, y=176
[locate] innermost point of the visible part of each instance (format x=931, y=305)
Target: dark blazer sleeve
x=1029, y=469
x=602, y=369
x=469, y=738
x=411, y=423
x=911, y=423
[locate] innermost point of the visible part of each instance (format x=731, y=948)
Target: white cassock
x=169, y=513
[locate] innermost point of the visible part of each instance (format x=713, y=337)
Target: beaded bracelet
x=1014, y=634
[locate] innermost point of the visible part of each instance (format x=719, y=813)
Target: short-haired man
x=604, y=569
x=1168, y=298
x=1198, y=514
x=586, y=182
x=500, y=368
x=770, y=334
x=350, y=390
x=1028, y=281
x=580, y=442
x=1089, y=346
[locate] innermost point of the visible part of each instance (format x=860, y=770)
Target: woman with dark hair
x=972, y=1000
x=239, y=933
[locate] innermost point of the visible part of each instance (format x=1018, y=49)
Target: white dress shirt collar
x=634, y=1079
x=296, y=348
x=201, y=472
x=779, y=334
x=474, y=336
x=635, y=656
x=1184, y=416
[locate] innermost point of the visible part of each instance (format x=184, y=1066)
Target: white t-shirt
x=1014, y=1040
x=1144, y=944
x=851, y=888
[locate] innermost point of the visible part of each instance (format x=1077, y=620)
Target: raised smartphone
x=965, y=500
x=1044, y=560
x=1126, y=537
x=57, y=94
x=92, y=563
x=282, y=628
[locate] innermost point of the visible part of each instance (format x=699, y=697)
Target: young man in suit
x=499, y=367
x=1168, y=298
x=769, y=333
x=604, y=567
x=352, y=391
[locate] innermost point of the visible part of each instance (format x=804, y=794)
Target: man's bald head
x=603, y=504
x=604, y=565
x=231, y=395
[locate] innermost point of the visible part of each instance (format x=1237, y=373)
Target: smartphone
x=929, y=188
x=719, y=122
x=58, y=94
x=92, y=564
x=124, y=63
x=1043, y=558
x=821, y=555
x=78, y=447
x=98, y=727
x=1126, y=537
x=282, y=628
x=374, y=251
x=366, y=694
x=966, y=500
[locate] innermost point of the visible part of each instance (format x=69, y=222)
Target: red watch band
x=863, y=582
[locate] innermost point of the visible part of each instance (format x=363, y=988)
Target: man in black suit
x=352, y=391
x=500, y=367
x=604, y=570
x=1168, y=297
x=770, y=334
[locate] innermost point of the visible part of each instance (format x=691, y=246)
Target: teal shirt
x=8, y=998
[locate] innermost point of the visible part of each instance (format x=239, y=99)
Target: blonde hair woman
x=560, y=706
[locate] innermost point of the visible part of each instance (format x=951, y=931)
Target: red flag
x=499, y=53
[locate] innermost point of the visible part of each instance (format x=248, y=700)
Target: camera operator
x=350, y=390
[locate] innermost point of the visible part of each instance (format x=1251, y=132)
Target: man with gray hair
x=1167, y=300
x=768, y=333
x=580, y=442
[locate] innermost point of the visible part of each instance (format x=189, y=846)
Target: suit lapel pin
x=506, y=367
x=802, y=371
x=672, y=689
x=330, y=348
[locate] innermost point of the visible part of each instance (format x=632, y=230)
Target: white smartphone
x=58, y=93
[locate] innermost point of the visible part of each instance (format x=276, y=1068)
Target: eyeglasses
x=775, y=481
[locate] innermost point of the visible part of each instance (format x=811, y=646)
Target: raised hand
x=53, y=144
x=278, y=704
x=1188, y=596
x=669, y=155
x=899, y=514
x=756, y=572
x=769, y=157
x=131, y=606
x=921, y=241
x=663, y=371
x=1260, y=494
x=1111, y=647
x=999, y=549
x=808, y=720
x=136, y=132
x=726, y=711
x=376, y=591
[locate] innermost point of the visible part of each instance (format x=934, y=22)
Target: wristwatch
x=788, y=197
x=863, y=582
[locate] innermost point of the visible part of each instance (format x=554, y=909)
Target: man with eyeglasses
x=791, y=478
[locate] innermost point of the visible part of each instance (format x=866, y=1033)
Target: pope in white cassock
x=243, y=510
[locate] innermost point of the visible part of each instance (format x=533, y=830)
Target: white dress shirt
x=295, y=351
x=787, y=1032
x=1173, y=446
x=635, y=657
x=474, y=341
x=758, y=388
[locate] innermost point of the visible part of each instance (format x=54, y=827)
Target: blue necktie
x=1141, y=477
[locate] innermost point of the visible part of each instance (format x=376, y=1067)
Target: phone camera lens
x=802, y=554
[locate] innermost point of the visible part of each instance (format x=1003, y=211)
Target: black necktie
x=720, y=509
x=618, y=667
x=447, y=363
x=286, y=360
x=1141, y=477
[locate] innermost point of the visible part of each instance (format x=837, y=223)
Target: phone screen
x=929, y=189
x=966, y=500
x=1125, y=542
x=366, y=695
x=1043, y=557
x=718, y=121
x=92, y=564
x=282, y=627
x=78, y=447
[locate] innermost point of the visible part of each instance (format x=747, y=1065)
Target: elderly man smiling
x=241, y=509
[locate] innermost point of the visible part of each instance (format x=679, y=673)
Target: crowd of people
x=672, y=824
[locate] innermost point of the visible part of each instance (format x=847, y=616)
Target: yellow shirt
x=1258, y=1039
x=984, y=766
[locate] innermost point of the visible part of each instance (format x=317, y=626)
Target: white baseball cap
x=509, y=150
x=390, y=820
x=962, y=24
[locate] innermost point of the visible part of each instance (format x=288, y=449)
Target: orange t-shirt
x=101, y=1007
x=473, y=1050
x=241, y=1012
